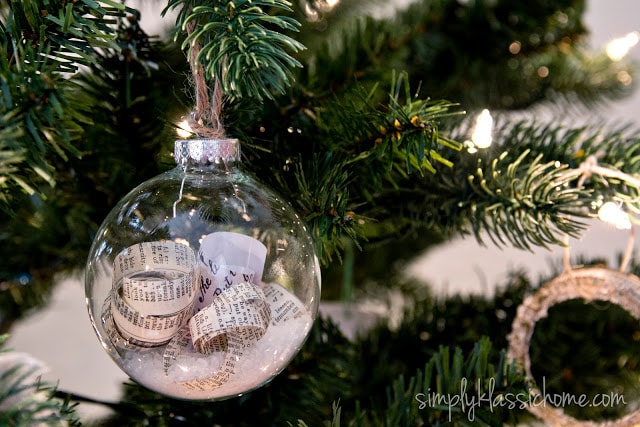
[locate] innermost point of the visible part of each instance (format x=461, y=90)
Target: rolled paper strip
x=218, y=279
x=156, y=278
x=176, y=347
x=240, y=312
x=146, y=328
x=233, y=323
x=168, y=256
x=153, y=293
x=160, y=295
x=284, y=306
x=206, y=151
x=227, y=258
x=588, y=284
x=115, y=336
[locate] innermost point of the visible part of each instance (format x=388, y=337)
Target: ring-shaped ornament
x=589, y=284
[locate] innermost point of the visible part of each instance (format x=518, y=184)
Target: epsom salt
x=259, y=364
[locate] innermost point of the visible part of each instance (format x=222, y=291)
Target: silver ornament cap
x=206, y=151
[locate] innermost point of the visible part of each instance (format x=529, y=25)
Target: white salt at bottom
x=258, y=365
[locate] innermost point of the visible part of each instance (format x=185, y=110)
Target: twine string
x=586, y=169
x=206, y=120
x=590, y=167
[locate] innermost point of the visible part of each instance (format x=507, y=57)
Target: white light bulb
x=183, y=129
x=481, y=136
x=611, y=213
x=618, y=48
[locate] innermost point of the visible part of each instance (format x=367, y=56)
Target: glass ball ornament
x=201, y=283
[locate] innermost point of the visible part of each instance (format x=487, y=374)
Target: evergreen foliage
x=41, y=42
x=237, y=45
x=364, y=131
x=25, y=400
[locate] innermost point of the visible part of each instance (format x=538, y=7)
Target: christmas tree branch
x=64, y=35
x=353, y=150
x=523, y=192
x=430, y=39
x=538, y=204
x=240, y=44
x=40, y=41
x=128, y=112
x=25, y=399
x=454, y=390
x=524, y=202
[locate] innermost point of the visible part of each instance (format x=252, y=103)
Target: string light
x=619, y=48
x=183, y=129
x=612, y=213
x=315, y=10
x=481, y=136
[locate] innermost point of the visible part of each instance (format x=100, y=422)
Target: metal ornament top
x=204, y=152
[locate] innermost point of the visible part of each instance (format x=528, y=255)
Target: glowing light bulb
x=481, y=136
x=618, y=48
x=183, y=129
x=612, y=213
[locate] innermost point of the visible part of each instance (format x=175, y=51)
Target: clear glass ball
x=202, y=283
